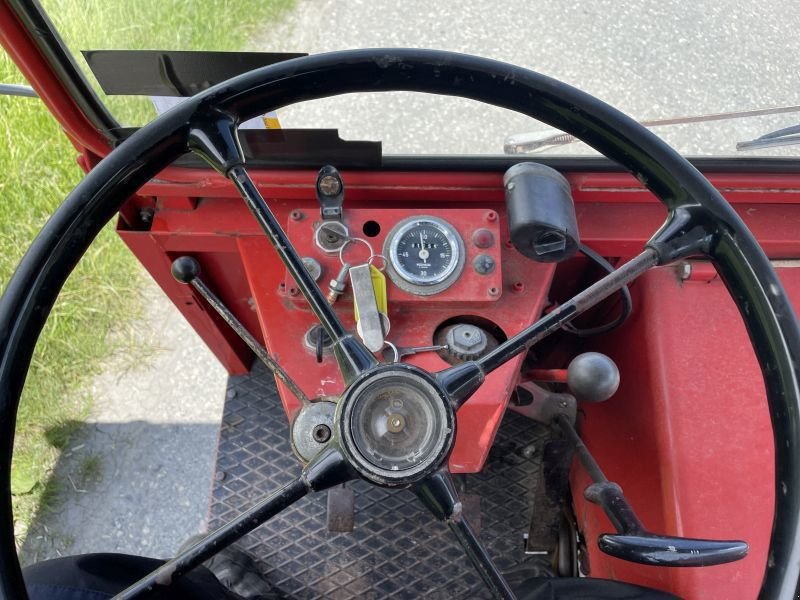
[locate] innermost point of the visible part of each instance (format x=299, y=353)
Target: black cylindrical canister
x=541, y=213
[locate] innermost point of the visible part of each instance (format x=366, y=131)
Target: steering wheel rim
x=688, y=196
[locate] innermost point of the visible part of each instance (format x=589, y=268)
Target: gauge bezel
x=407, y=281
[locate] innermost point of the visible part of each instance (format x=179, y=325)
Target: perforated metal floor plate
x=397, y=549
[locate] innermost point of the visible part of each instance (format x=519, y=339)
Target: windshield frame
x=55, y=61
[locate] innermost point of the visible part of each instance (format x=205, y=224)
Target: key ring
x=363, y=241
x=387, y=345
x=372, y=258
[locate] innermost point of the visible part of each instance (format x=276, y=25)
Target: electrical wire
x=627, y=301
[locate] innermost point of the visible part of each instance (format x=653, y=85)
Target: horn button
x=396, y=425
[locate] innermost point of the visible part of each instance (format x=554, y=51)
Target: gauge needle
x=423, y=253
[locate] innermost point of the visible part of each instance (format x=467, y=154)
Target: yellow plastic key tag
x=379, y=285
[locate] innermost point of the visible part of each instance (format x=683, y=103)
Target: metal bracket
x=543, y=405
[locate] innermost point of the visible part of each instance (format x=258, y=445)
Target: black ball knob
x=592, y=377
x=185, y=269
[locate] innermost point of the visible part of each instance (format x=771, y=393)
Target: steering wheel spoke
x=462, y=380
x=438, y=493
x=688, y=231
x=326, y=470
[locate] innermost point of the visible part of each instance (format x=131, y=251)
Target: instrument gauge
x=425, y=255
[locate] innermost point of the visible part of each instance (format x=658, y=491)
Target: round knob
x=185, y=269
x=592, y=377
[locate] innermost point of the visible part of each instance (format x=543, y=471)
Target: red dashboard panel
x=239, y=264
x=470, y=289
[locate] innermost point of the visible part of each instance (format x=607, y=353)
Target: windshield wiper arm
x=526, y=143
x=11, y=89
x=786, y=136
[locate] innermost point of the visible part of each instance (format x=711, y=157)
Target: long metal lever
x=633, y=542
x=186, y=269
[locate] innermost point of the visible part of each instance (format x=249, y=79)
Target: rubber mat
x=397, y=549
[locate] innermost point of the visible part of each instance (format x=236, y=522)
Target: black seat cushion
x=101, y=576
x=580, y=588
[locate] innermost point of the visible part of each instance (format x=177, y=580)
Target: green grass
x=39, y=169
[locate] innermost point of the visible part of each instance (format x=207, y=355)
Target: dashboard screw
x=491, y=216
x=296, y=215
x=518, y=287
x=321, y=433
x=493, y=291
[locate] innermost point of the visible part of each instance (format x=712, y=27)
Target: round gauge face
x=425, y=251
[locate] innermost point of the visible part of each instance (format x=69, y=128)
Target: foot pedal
x=341, y=509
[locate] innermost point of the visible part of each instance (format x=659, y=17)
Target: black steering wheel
x=699, y=222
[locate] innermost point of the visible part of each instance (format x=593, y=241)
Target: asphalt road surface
x=652, y=59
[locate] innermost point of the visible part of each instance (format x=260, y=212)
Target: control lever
x=633, y=542
x=186, y=270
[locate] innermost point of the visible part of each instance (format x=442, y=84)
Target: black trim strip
x=487, y=164
x=568, y=164
x=173, y=72
x=297, y=149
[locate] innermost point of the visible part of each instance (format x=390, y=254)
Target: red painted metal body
x=27, y=56
x=687, y=435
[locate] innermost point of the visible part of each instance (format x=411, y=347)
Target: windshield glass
x=652, y=60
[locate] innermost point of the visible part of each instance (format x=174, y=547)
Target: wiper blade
x=528, y=143
x=781, y=137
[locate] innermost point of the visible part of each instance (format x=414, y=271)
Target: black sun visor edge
x=172, y=72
